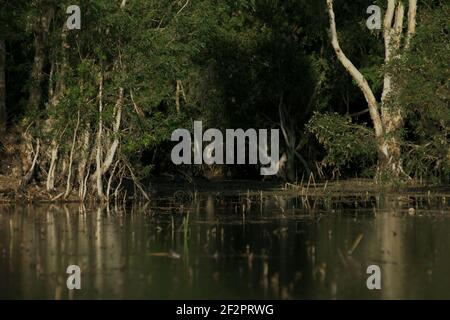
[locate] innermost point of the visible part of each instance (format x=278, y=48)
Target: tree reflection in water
x=218, y=247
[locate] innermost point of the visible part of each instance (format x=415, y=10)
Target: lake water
x=217, y=246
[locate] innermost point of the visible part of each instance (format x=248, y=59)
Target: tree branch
x=398, y=27
x=182, y=8
x=412, y=12
x=388, y=18
x=356, y=74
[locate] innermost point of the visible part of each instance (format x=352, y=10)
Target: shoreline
x=10, y=193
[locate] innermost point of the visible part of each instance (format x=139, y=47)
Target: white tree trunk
x=356, y=74
x=104, y=166
x=113, y=148
x=389, y=119
x=26, y=179
x=69, y=175
x=412, y=13
x=82, y=163
x=52, y=170
x=98, y=158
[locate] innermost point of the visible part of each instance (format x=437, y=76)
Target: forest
x=88, y=112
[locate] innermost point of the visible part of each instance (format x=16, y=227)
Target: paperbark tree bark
x=390, y=150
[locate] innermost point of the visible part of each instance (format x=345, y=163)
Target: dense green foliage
x=260, y=64
x=348, y=145
x=423, y=80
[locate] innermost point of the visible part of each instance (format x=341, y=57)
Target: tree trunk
x=98, y=157
x=52, y=169
x=27, y=178
x=3, y=115
x=290, y=138
x=115, y=144
x=390, y=161
x=40, y=43
x=56, y=92
x=356, y=75
x=105, y=164
x=83, y=162
x=72, y=150
x=389, y=120
x=389, y=149
x=41, y=31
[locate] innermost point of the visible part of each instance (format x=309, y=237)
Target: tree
x=386, y=115
x=112, y=89
x=2, y=85
x=423, y=89
x=100, y=103
x=41, y=30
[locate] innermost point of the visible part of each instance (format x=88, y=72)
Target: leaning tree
x=387, y=116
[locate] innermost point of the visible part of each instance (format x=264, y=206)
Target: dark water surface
x=217, y=246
